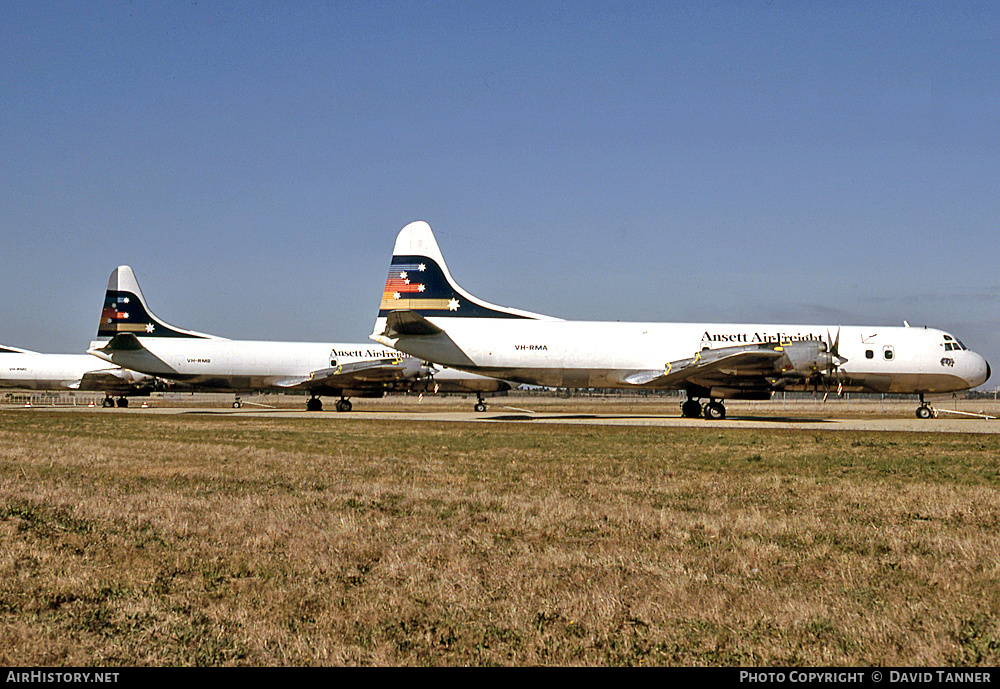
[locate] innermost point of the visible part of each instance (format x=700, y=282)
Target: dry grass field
x=200, y=539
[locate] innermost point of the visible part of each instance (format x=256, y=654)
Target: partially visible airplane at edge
x=138, y=340
x=23, y=369
x=426, y=314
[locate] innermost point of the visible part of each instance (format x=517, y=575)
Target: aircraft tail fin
x=125, y=311
x=419, y=281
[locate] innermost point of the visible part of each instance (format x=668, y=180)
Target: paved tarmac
x=954, y=416
x=944, y=423
x=938, y=425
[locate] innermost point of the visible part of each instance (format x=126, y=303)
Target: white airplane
x=22, y=369
x=140, y=341
x=426, y=314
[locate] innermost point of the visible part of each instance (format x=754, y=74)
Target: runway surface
x=841, y=414
x=942, y=424
x=938, y=425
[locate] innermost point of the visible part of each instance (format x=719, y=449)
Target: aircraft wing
x=359, y=372
x=111, y=381
x=711, y=367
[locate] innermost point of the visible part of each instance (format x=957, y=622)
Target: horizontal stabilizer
x=123, y=342
x=409, y=323
x=7, y=349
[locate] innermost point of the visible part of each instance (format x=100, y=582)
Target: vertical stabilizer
x=419, y=281
x=125, y=311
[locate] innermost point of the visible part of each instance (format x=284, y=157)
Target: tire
x=691, y=409
x=925, y=412
x=715, y=411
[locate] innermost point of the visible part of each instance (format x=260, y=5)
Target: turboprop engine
x=807, y=359
x=416, y=370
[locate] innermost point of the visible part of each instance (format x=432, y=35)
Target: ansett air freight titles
x=426, y=314
x=131, y=336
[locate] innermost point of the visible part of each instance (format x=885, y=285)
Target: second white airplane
x=426, y=314
x=23, y=369
x=131, y=336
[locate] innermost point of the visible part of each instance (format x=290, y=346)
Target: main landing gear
x=714, y=410
x=316, y=404
x=109, y=402
x=480, y=405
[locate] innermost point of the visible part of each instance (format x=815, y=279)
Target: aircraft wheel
x=715, y=411
x=108, y=402
x=123, y=401
x=315, y=404
x=925, y=412
x=480, y=406
x=237, y=404
x=344, y=405
x=691, y=409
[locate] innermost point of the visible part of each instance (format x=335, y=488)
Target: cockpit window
x=950, y=344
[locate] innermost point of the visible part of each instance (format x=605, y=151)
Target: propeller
x=427, y=372
x=836, y=360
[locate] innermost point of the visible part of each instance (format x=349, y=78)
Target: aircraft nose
x=980, y=371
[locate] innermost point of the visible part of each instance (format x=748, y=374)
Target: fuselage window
x=869, y=354
x=333, y=363
x=887, y=353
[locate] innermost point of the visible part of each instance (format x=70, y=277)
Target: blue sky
x=783, y=162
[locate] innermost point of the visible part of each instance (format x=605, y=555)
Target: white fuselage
x=239, y=365
x=36, y=371
x=253, y=365
x=600, y=354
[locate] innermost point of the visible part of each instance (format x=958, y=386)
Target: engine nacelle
x=806, y=359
